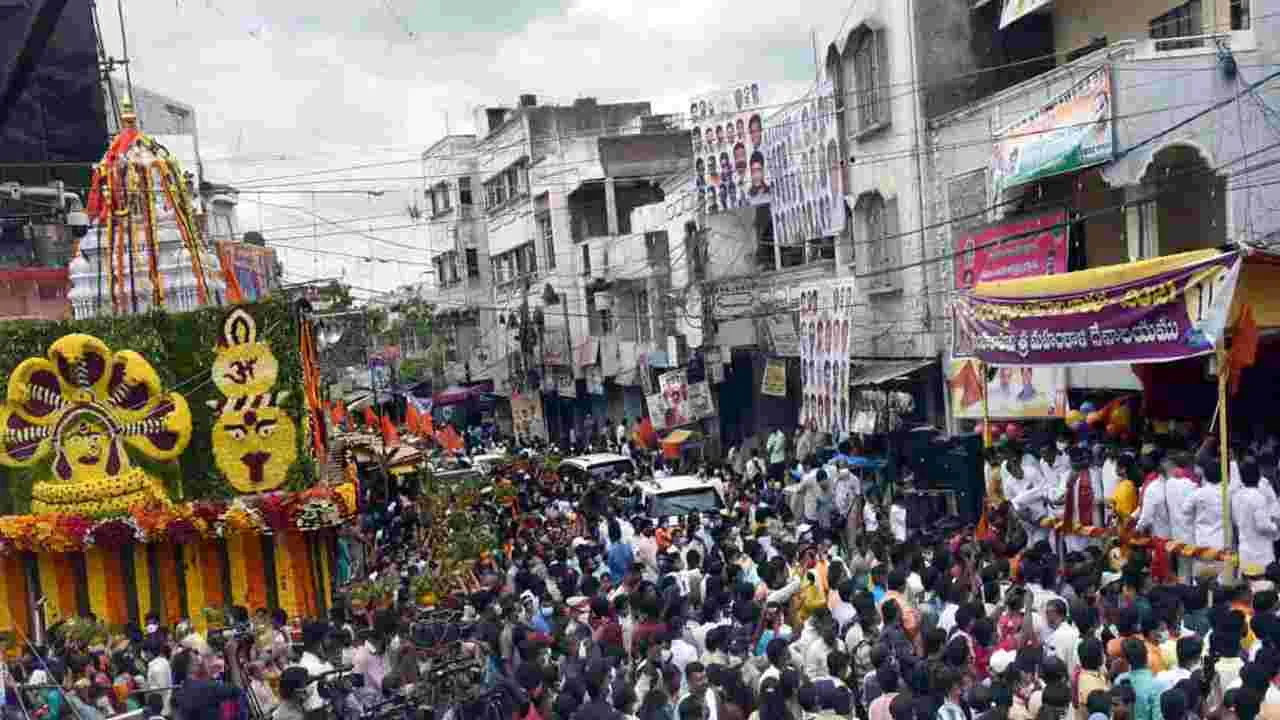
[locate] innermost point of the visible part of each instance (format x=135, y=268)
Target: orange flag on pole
x=412, y=420
x=390, y=436
x=370, y=419
x=426, y=426
x=1244, y=346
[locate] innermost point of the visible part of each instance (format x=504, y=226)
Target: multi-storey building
x=1174, y=136
x=530, y=229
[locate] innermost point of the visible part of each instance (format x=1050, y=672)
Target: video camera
x=336, y=683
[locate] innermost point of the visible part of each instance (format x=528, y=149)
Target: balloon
x=1087, y=407
x=1074, y=418
x=1121, y=415
x=1095, y=418
x=1080, y=427
x=1013, y=431
x=1114, y=431
x=980, y=428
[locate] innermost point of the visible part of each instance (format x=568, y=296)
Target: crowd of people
x=807, y=596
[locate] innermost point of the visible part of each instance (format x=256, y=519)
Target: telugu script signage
x=1177, y=313
x=1014, y=248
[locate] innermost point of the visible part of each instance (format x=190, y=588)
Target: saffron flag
x=370, y=419
x=1244, y=345
x=412, y=420
x=390, y=436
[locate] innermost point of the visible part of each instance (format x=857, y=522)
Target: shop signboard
x=782, y=331
x=1013, y=248
x=1016, y=9
x=1070, y=132
x=774, y=383
x=1152, y=311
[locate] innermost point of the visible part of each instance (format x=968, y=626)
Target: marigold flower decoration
x=241, y=518
x=78, y=408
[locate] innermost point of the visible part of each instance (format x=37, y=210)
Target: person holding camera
x=295, y=691
x=313, y=663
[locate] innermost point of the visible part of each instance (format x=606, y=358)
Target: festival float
x=161, y=462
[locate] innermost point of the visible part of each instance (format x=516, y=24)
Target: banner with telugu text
x=1177, y=313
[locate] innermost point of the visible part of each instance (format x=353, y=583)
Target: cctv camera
x=78, y=221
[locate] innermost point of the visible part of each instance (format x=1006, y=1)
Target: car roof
x=587, y=461
x=675, y=484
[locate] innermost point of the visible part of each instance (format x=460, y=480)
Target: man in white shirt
x=620, y=434
x=1203, y=511
x=1190, y=650
x=313, y=652
x=1178, y=487
x=159, y=672
x=1252, y=513
x=1063, y=636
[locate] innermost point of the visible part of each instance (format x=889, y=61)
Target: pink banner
x=1013, y=248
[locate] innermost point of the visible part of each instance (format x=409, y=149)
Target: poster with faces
x=802, y=148
x=826, y=337
x=729, y=167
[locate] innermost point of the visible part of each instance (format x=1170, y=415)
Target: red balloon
x=1114, y=430
x=1013, y=430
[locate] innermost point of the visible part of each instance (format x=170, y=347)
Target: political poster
x=674, y=388
x=657, y=411
x=526, y=416
x=826, y=311
x=802, y=147
x=729, y=166
x=701, y=404
x=1016, y=392
x=1072, y=131
x=1017, y=247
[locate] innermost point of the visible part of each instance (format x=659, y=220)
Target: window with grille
x=473, y=263
x=606, y=321
x=877, y=227
x=546, y=238
x=440, y=202
x=1240, y=18
x=871, y=78
x=1184, y=21
x=464, y=191
x=643, y=328
x=586, y=259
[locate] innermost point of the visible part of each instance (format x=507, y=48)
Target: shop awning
x=881, y=373
x=1158, y=310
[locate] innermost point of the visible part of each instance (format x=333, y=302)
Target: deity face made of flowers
x=84, y=408
x=254, y=439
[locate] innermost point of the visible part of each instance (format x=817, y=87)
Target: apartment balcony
x=624, y=258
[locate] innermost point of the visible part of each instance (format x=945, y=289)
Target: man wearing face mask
x=159, y=672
